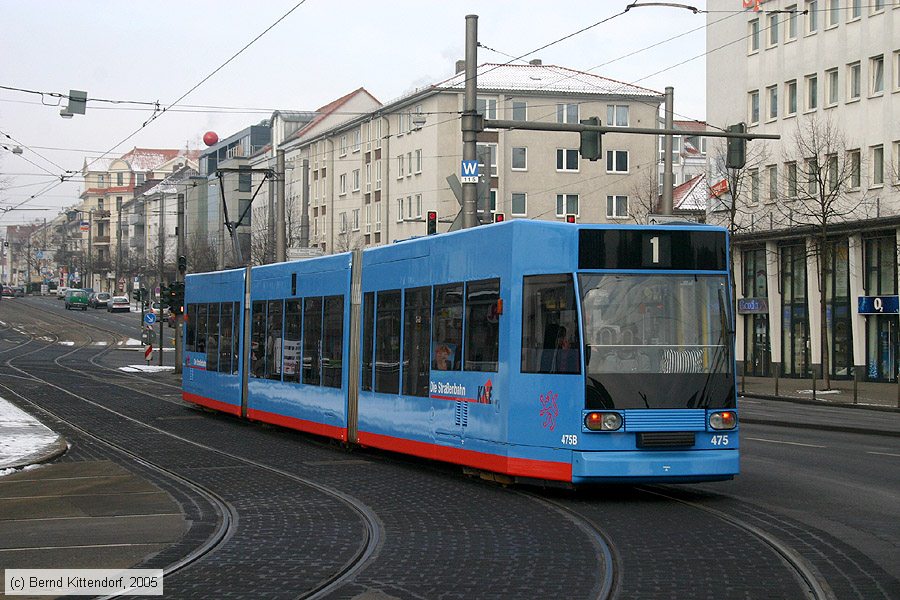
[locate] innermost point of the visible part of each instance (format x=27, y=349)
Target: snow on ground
x=67, y=343
x=145, y=369
x=133, y=342
x=21, y=435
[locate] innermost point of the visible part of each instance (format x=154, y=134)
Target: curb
x=46, y=454
x=835, y=428
x=812, y=402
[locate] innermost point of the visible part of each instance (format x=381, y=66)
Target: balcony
x=101, y=215
x=101, y=239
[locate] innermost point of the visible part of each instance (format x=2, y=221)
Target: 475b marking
x=569, y=439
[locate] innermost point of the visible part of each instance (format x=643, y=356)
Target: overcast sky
x=156, y=51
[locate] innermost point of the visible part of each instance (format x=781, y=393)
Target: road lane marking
x=884, y=454
x=782, y=442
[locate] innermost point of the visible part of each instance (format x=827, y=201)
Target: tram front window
x=657, y=341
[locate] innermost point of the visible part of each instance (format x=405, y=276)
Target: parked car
x=61, y=292
x=154, y=308
x=7, y=292
x=99, y=300
x=19, y=291
x=118, y=303
x=76, y=299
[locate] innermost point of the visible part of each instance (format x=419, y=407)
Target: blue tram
x=533, y=350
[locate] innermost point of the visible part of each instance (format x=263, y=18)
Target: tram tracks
x=368, y=544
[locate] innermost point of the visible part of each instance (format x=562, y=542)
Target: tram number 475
x=719, y=440
x=569, y=439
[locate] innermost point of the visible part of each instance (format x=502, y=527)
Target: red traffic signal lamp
x=432, y=222
x=499, y=217
x=570, y=218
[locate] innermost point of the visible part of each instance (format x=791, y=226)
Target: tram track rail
x=371, y=539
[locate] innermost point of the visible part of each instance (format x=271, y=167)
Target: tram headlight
x=723, y=420
x=603, y=421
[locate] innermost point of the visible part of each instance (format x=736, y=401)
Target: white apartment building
x=784, y=66
x=375, y=173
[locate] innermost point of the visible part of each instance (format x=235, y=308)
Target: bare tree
x=346, y=241
x=201, y=255
x=644, y=195
x=822, y=173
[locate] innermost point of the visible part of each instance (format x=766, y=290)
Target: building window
x=120, y=179
x=343, y=146
x=790, y=107
x=855, y=9
x=357, y=140
x=377, y=217
x=487, y=107
x=342, y=184
x=616, y=161
x=519, y=204
x=834, y=13
x=368, y=218
x=399, y=210
x=772, y=171
x=812, y=17
x=831, y=79
x=853, y=82
x=355, y=180
x=617, y=115
x=378, y=174
x=519, y=110
x=567, y=113
x=897, y=68
x=812, y=177
x=753, y=101
x=401, y=161
x=368, y=177
x=773, y=30
x=487, y=155
x=566, y=204
x=833, y=182
x=754, y=186
x=790, y=170
x=418, y=161
x=812, y=92
x=343, y=222
x=754, y=35
x=853, y=157
x=140, y=178
x=772, y=93
x=897, y=161
x=566, y=160
x=792, y=22
x=101, y=180
x=877, y=165
x=617, y=207
x=877, y=6
x=876, y=68
x=519, y=159
x=354, y=221
x=795, y=321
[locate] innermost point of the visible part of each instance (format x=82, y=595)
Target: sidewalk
x=877, y=396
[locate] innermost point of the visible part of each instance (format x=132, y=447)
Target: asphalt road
x=808, y=503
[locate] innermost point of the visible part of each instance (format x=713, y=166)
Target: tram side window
x=417, y=342
x=447, y=327
x=258, y=340
x=482, y=325
x=274, y=327
x=202, y=312
x=226, y=337
x=212, y=338
x=368, y=340
x=312, y=341
x=333, y=341
x=387, y=343
x=190, y=338
x=550, y=336
x=293, y=319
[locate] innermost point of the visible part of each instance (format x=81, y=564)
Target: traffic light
x=570, y=218
x=591, y=146
x=736, y=156
x=163, y=296
x=176, y=297
x=432, y=222
x=499, y=217
x=182, y=264
x=136, y=294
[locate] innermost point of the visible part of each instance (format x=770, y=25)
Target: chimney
x=460, y=66
x=535, y=61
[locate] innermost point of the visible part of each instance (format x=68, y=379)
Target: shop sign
x=879, y=305
x=753, y=306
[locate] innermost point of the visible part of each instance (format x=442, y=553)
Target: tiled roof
x=691, y=195
x=697, y=126
x=141, y=160
x=328, y=109
x=545, y=78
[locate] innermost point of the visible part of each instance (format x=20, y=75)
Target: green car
x=76, y=299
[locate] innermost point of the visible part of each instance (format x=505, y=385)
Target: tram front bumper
x=662, y=466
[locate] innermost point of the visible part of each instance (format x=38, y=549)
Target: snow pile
x=145, y=369
x=21, y=435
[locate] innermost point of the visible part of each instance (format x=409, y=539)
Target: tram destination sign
x=879, y=305
x=670, y=248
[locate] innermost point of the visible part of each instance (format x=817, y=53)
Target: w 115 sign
x=468, y=171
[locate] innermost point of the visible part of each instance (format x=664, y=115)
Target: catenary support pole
x=280, y=252
x=179, y=276
x=162, y=262
x=304, y=214
x=469, y=130
x=666, y=207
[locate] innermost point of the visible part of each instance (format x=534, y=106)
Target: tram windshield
x=657, y=341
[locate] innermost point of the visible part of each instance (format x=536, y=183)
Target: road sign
x=39, y=254
x=661, y=219
x=150, y=318
x=468, y=171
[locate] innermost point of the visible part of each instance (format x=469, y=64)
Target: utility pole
x=270, y=247
x=162, y=262
x=118, y=247
x=280, y=254
x=90, y=273
x=469, y=119
x=304, y=215
x=179, y=277
x=666, y=207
